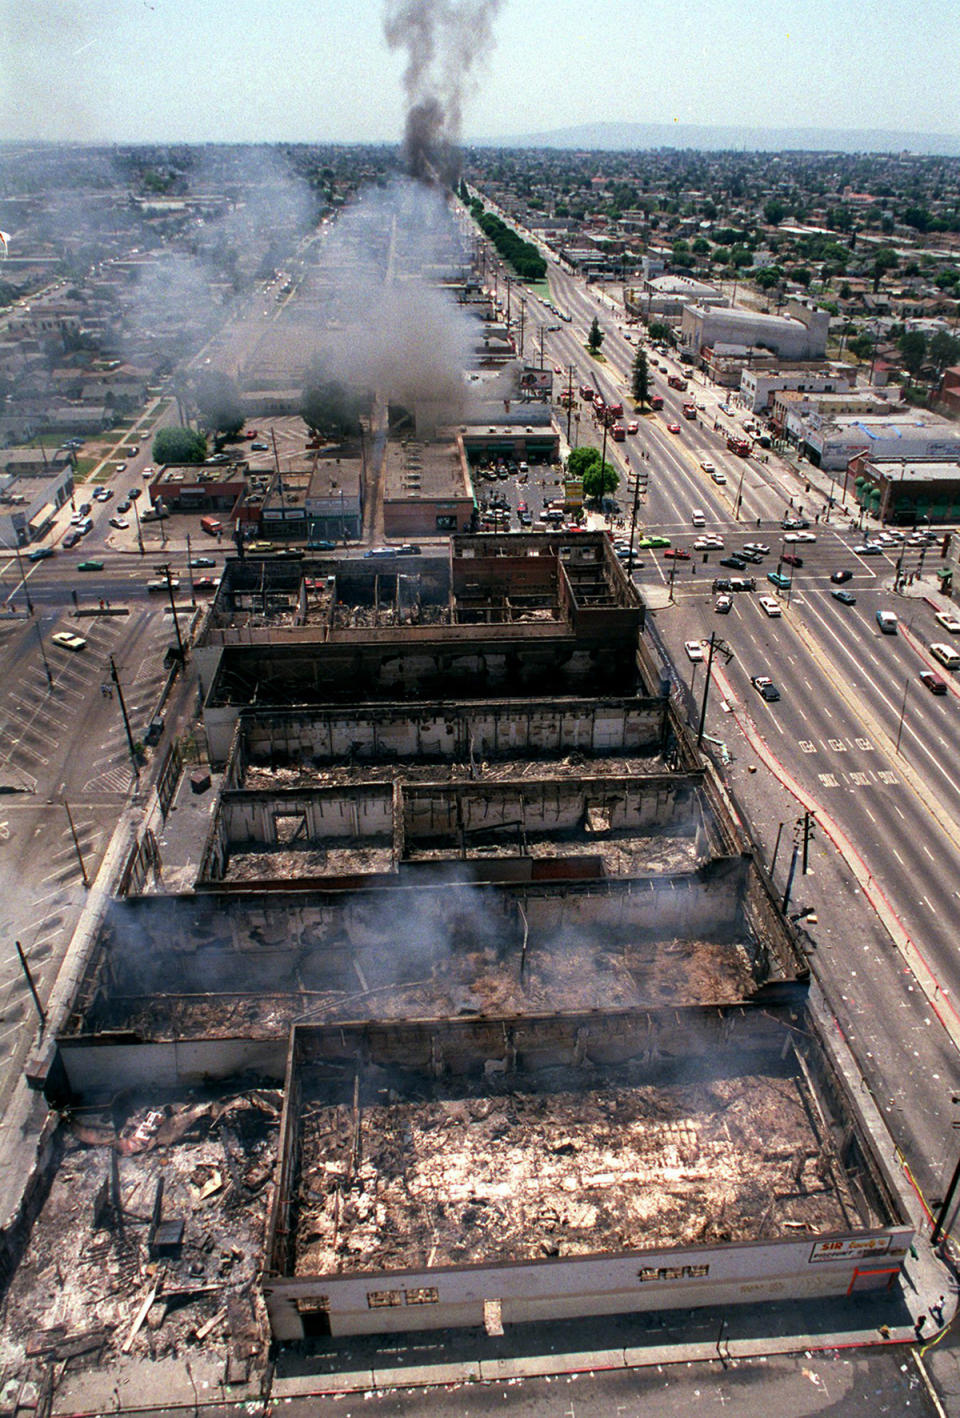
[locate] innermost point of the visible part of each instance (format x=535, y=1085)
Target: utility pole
x=569, y=399
x=706, y=687
x=808, y=826
x=136, y=513
x=523, y=315
x=193, y=594
x=633, y=520
x=126, y=721
x=541, y=348
x=76, y=844
x=165, y=569
x=43, y=655
x=23, y=579
x=32, y=987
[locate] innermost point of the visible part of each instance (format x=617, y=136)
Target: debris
x=141, y=1314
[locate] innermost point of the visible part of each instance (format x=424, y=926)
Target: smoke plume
x=442, y=40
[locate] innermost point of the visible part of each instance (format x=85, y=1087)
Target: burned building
x=479, y=966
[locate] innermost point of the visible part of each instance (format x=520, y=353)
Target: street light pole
x=903, y=708
x=126, y=721
x=43, y=655
x=706, y=690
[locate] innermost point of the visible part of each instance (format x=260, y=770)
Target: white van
x=946, y=654
x=887, y=622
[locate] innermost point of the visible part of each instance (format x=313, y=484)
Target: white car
x=121, y=523
x=805, y=537
x=949, y=622
x=719, y=478
x=694, y=650
x=711, y=542
x=707, y=466
x=68, y=640
x=770, y=605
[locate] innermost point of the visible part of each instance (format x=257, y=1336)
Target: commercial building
x=665, y=297
x=426, y=487
x=906, y=491
x=791, y=407
x=914, y=434
x=759, y=386
x=800, y=334
x=30, y=501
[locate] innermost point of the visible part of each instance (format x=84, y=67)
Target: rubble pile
x=512, y=1176
x=150, y=1239
x=261, y=777
x=313, y=859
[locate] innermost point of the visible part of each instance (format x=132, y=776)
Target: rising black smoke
x=443, y=40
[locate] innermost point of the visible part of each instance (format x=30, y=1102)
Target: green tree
x=943, y=350
x=913, y=350
x=885, y=260
x=862, y=346
x=179, y=445
x=599, y=479
x=581, y=460
x=660, y=332
x=595, y=337
x=641, y=378
x=774, y=211
x=218, y=402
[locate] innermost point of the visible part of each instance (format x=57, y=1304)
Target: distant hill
x=614, y=137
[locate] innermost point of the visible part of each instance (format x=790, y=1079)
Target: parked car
x=868, y=549
x=679, y=553
x=847, y=598
x=201, y=561
x=103, y=494
x=723, y=604
x=735, y=562
x=839, y=577
x=39, y=553
x=68, y=640
x=694, y=650
x=89, y=565
x=124, y=506
x=765, y=687
x=949, y=621
x=121, y=523
x=790, y=558
x=770, y=606
x=71, y=539
x=134, y=492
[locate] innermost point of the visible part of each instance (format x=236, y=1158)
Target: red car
x=673, y=427
x=678, y=553
x=633, y=426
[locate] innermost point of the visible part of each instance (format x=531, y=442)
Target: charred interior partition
x=566, y=1165
x=182, y=988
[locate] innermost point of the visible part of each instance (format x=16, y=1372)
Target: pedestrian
x=918, y=1327
x=758, y=521
x=937, y=1311
x=693, y=568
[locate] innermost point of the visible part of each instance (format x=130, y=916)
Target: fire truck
x=689, y=411
x=740, y=446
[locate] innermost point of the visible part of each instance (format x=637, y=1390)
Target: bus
x=213, y=525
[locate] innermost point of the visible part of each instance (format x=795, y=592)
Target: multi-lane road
x=855, y=737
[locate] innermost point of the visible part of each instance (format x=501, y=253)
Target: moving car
x=120, y=467
x=723, y=604
x=718, y=477
x=203, y=561
x=765, y=687
x=868, y=549
x=121, y=523
x=378, y=552
x=707, y=466
x=673, y=428
x=934, y=683
x=776, y=578
x=760, y=548
x=653, y=542
x=260, y=447
x=694, y=650
x=71, y=539
x=805, y=537
x=134, y=493
x=846, y=597
x=839, y=577
x=678, y=553
x=770, y=606
x=205, y=583
x=949, y=621
x=69, y=641
x=39, y=553
x=103, y=494
x=89, y=565
x=160, y=583
x=633, y=426
x=124, y=506
x=887, y=622
x=792, y=559
x=709, y=542
x=735, y=562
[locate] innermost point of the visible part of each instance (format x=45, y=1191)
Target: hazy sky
x=249, y=70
